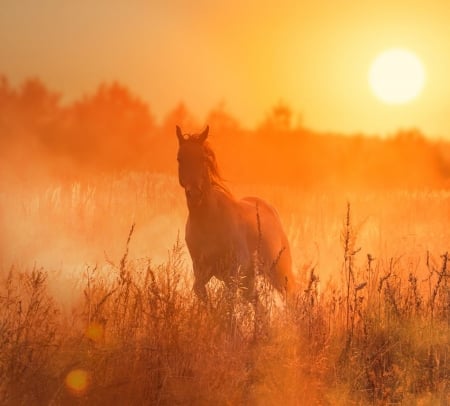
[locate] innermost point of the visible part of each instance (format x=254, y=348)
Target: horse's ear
x=179, y=135
x=202, y=137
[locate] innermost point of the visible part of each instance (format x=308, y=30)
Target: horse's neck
x=215, y=208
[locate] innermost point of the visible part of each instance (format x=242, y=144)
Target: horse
x=228, y=238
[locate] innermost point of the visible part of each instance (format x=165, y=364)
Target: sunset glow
x=313, y=56
x=224, y=203
x=397, y=76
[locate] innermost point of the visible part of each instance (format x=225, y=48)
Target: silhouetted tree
x=279, y=120
x=223, y=124
x=110, y=128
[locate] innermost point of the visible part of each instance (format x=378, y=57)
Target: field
x=96, y=305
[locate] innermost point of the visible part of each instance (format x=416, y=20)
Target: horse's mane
x=213, y=168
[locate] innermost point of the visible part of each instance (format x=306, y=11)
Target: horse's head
x=193, y=173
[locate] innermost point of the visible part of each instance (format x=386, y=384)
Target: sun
x=397, y=76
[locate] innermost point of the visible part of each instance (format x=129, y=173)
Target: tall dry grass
x=369, y=324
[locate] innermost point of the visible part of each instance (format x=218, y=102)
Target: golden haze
x=96, y=300
x=314, y=56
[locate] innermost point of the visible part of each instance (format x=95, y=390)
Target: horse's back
x=271, y=240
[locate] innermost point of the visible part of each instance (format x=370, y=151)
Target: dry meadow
x=96, y=305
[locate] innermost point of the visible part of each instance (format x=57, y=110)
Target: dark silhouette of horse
x=228, y=238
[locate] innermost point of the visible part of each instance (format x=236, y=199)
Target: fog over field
x=96, y=280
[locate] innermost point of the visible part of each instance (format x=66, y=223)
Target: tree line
x=112, y=130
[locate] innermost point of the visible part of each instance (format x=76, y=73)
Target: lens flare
x=94, y=332
x=77, y=381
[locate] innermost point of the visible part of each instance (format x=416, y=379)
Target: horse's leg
x=261, y=320
x=201, y=277
x=255, y=295
x=245, y=272
x=200, y=291
x=249, y=290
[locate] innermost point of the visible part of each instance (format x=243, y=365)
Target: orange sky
x=314, y=56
